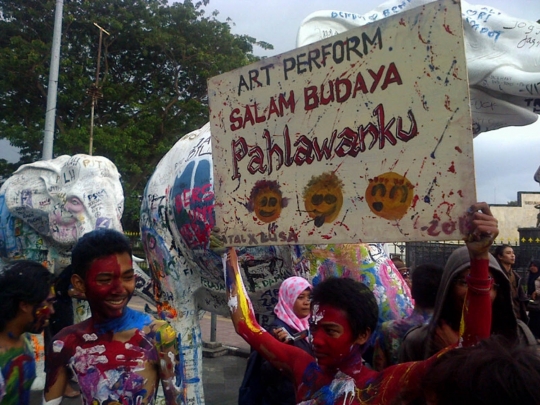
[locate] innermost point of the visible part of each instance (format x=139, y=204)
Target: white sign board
x=361, y=137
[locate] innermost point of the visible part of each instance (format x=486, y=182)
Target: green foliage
x=154, y=67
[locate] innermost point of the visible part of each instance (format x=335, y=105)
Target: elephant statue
x=177, y=217
x=502, y=54
x=46, y=206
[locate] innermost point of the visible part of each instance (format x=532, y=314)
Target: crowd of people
x=466, y=341
x=471, y=338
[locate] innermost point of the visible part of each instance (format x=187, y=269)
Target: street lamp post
x=50, y=113
x=95, y=91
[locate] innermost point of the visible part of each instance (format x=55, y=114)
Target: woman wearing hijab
x=292, y=318
x=533, y=291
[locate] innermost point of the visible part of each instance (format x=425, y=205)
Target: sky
x=505, y=160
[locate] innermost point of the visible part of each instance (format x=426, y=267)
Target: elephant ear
x=31, y=192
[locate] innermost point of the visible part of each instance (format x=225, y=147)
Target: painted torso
x=113, y=365
x=358, y=384
x=18, y=368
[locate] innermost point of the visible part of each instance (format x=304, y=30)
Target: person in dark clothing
x=533, y=285
x=425, y=282
x=506, y=258
x=292, y=314
x=443, y=329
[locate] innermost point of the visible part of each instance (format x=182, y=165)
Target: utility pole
x=95, y=91
x=50, y=113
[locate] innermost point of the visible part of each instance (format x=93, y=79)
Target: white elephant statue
x=177, y=217
x=503, y=55
x=46, y=206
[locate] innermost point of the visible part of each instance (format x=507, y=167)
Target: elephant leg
x=190, y=367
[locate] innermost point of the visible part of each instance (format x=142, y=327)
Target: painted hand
x=483, y=230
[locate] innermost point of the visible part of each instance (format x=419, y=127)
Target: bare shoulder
x=163, y=332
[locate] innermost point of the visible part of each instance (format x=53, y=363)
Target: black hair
x=532, y=276
x=96, y=244
x=425, y=283
x=351, y=296
x=499, y=250
x=22, y=281
x=494, y=372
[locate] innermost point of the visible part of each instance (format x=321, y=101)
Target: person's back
x=118, y=355
x=425, y=281
x=26, y=303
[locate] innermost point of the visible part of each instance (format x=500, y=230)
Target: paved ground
x=222, y=376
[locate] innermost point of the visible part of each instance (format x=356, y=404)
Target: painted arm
x=56, y=381
x=285, y=357
x=167, y=348
x=476, y=318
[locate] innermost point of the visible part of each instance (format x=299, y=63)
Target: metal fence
x=415, y=253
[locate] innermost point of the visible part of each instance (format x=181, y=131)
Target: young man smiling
x=343, y=316
x=119, y=355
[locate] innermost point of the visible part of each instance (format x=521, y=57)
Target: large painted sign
x=364, y=136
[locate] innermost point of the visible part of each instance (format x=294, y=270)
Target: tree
x=154, y=69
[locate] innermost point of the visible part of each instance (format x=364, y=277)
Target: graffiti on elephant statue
x=177, y=216
x=46, y=206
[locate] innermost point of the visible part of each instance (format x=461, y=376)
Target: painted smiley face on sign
x=389, y=195
x=323, y=198
x=266, y=201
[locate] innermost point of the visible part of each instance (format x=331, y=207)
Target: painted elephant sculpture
x=177, y=217
x=502, y=54
x=46, y=206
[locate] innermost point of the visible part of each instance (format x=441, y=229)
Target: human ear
x=363, y=337
x=78, y=284
x=26, y=307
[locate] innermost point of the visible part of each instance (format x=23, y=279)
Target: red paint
x=332, y=335
x=110, y=284
x=42, y=313
x=458, y=149
x=414, y=201
x=448, y=29
x=452, y=168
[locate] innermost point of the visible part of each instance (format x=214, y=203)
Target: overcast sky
x=505, y=160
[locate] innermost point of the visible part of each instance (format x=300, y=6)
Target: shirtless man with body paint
x=26, y=304
x=343, y=316
x=119, y=355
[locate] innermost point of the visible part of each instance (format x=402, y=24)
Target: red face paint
x=331, y=335
x=42, y=313
x=110, y=283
